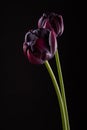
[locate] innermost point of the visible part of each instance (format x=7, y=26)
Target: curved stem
x=62, y=110
x=62, y=86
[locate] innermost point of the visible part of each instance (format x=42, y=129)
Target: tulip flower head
x=40, y=45
x=52, y=22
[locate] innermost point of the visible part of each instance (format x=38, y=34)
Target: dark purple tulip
x=52, y=22
x=40, y=45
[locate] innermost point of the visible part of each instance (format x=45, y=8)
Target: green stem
x=62, y=110
x=62, y=87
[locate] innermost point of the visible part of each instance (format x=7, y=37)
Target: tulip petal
x=61, y=25
x=41, y=21
x=33, y=59
x=24, y=48
x=47, y=25
x=52, y=42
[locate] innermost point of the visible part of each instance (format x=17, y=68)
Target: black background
x=28, y=99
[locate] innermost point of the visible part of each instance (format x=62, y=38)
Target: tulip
x=52, y=22
x=40, y=45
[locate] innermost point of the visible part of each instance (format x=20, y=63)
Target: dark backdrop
x=28, y=99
